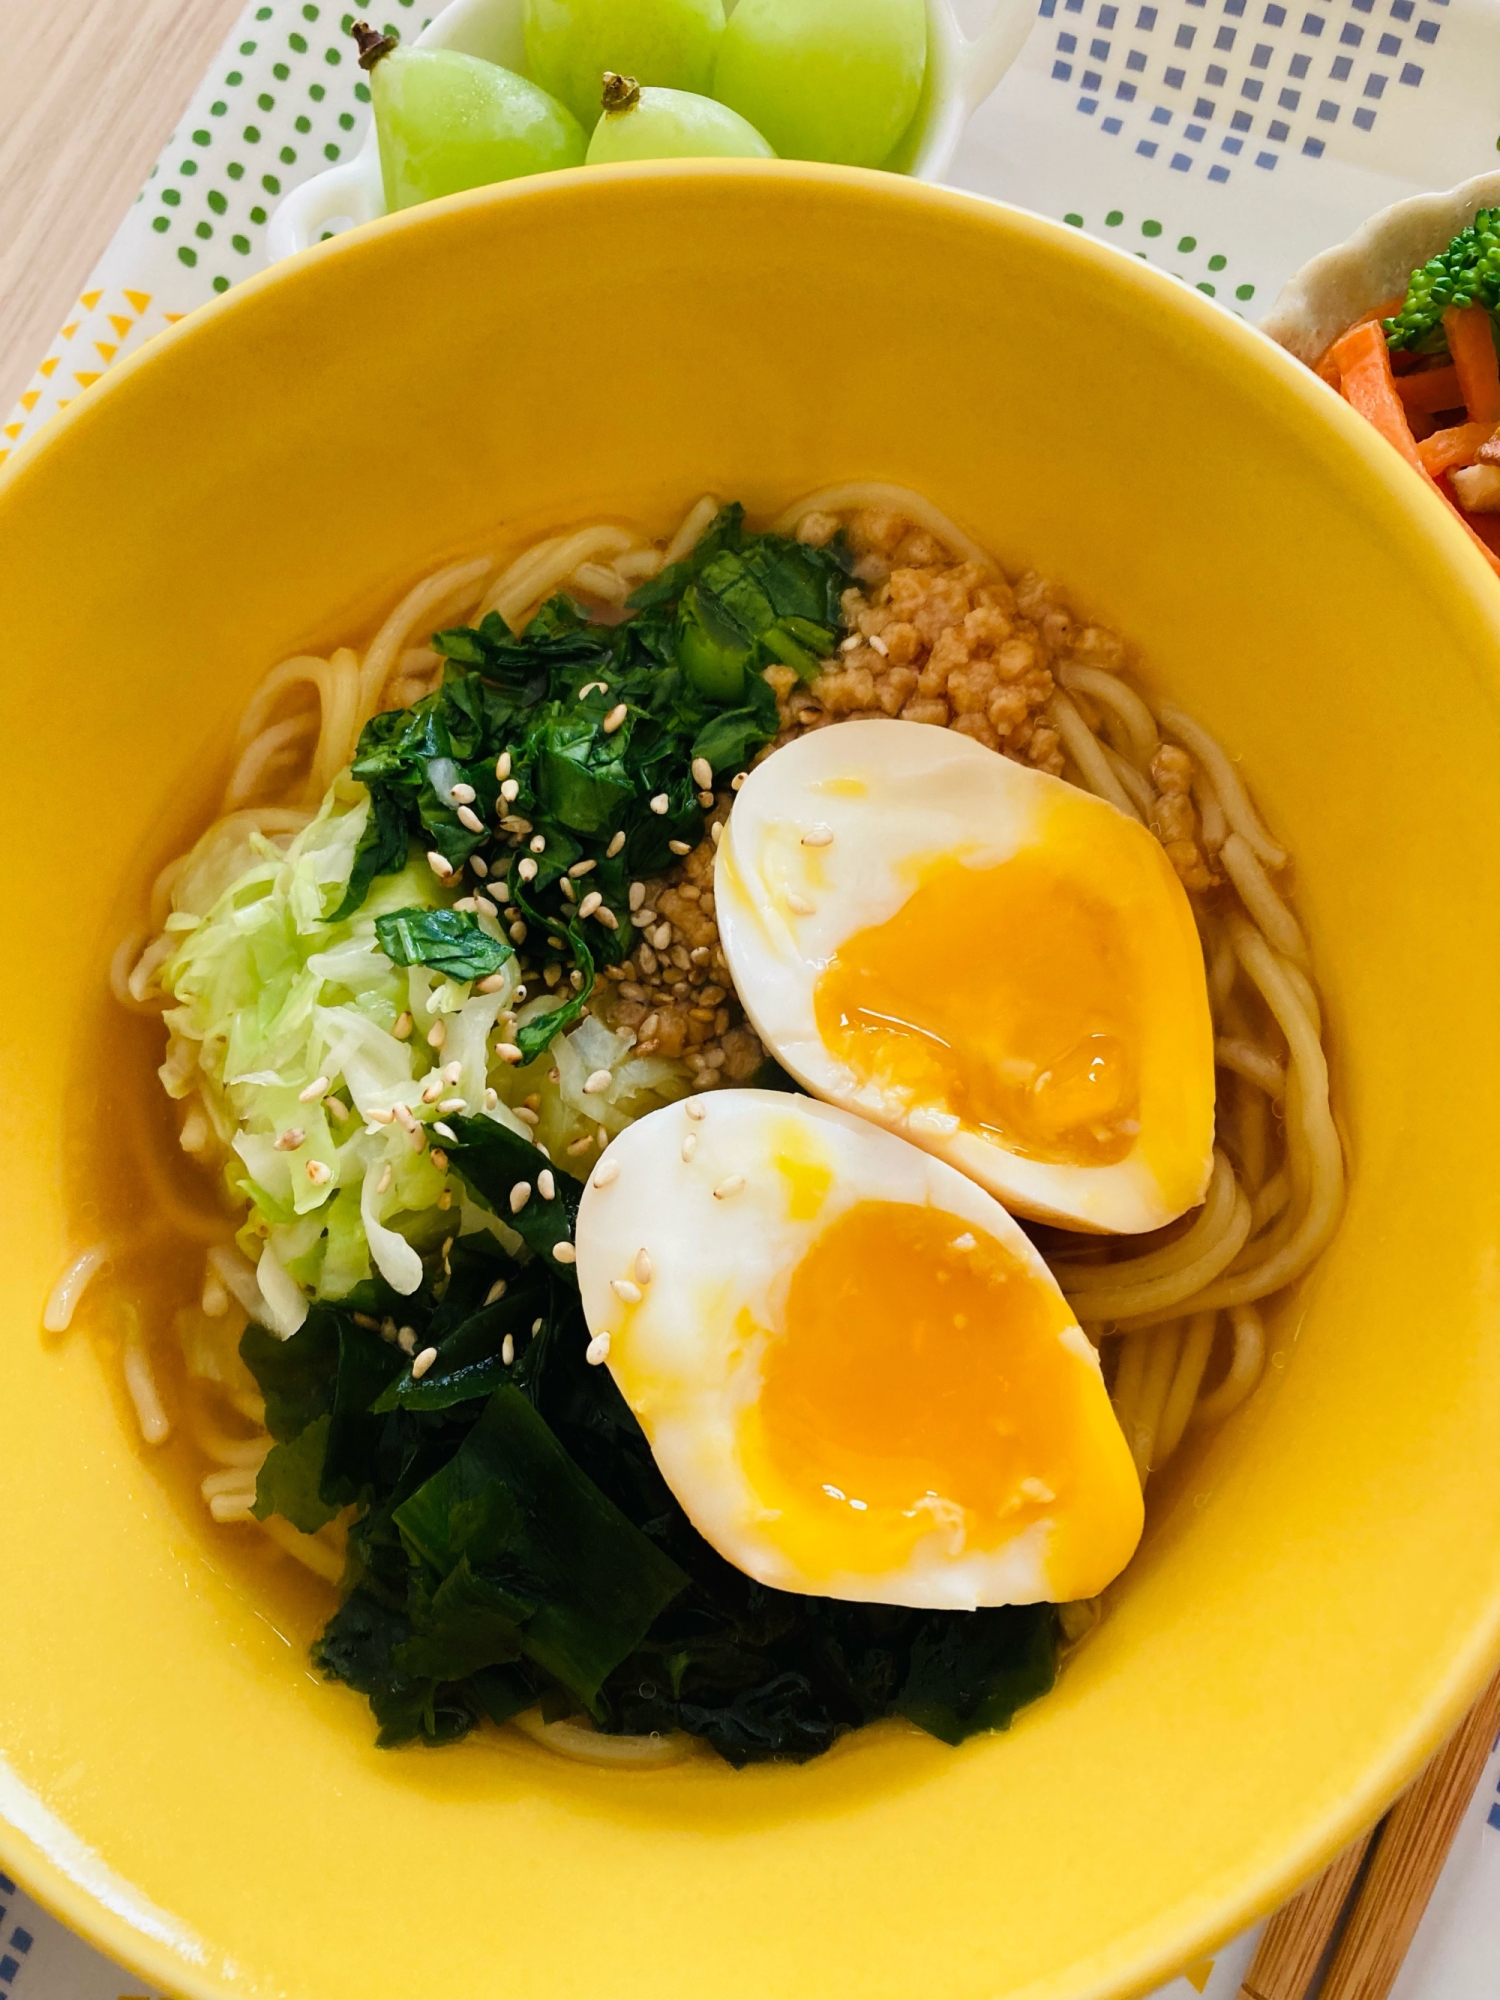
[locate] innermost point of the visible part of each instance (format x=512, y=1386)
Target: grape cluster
x=611, y=80
x=1466, y=273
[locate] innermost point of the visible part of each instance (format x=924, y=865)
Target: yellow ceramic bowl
x=1319, y=1600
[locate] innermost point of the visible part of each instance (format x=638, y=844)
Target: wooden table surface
x=89, y=91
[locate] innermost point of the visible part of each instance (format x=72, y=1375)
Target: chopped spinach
x=686, y=667
x=450, y=941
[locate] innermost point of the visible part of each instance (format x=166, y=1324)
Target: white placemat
x=1223, y=140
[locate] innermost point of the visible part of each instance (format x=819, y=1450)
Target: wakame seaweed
x=516, y=1543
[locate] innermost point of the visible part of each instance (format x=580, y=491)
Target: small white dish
x=1340, y=285
x=961, y=73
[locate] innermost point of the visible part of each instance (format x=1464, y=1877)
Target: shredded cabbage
x=270, y=996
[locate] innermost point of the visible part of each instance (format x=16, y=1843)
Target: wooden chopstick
x=1298, y=1935
x=1409, y=1851
x=1409, y=1858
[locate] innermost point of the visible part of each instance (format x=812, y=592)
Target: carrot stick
x=1364, y=362
x=1433, y=390
x=1472, y=345
x=1445, y=451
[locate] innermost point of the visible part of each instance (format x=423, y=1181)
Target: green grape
x=446, y=121
x=825, y=79
x=656, y=124
x=571, y=43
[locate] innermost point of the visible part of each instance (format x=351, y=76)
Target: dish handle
x=342, y=194
x=980, y=61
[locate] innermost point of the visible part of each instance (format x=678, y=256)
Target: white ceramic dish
x=1338, y=286
x=961, y=73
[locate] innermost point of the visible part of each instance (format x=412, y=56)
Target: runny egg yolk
x=1007, y=996
x=919, y=1383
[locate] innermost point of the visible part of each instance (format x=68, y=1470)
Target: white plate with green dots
x=1224, y=140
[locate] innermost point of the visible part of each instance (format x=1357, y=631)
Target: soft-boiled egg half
x=997, y=965
x=854, y=1371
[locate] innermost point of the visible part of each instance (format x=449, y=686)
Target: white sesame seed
x=403, y=1027
x=582, y=868
x=518, y=931
x=798, y=905
x=461, y=795
x=536, y=1327
x=438, y=863
x=508, y=1349
x=660, y=803
x=608, y=1173
x=728, y=1187
x=590, y=903
x=507, y=1052
x=485, y=907
x=850, y=643
x=319, y=1173
x=469, y=818
x=520, y=1194
x=526, y=869
x=526, y=1115
x=606, y=916
x=437, y=1034
x=406, y=1339
x=689, y=1145
x=381, y=1117
x=818, y=836
x=496, y=1291
x=418, y=1137
x=591, y=687
x=433, y=1092
x=637, y=894
x=502, y=766
x=680, y=846
x=565, y=1253
x=880, y=646
x=491, y=1099
x=703, y=773
x=510, y=790
x=716, y=832
x=597, y=1350
x=316, y=1088
x=705, y=799
x=737, y=782
x=538, y=843
x=289, y=1140
x=423, y=1362
x=465, y=906
x=576, y=1146
x=661, y=937
x=493, y=982
x=336, y=1108
x=625, y=1291
x=382, y=1186
x=451, y=1072
x=601, y=1079
x=388, y=1328
x=643, y=1268
x=546, y=1187
x=616, y=843
x=615, y=717
x=403, y=1117
x=568, y=890
x=513, y=823
x=480, y=866
x=448, y=1104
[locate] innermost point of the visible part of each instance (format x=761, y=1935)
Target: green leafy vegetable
x=686, y=669
x=1465, y=273
x=494, y=1160
x=450, y=941
x=289, y=1480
